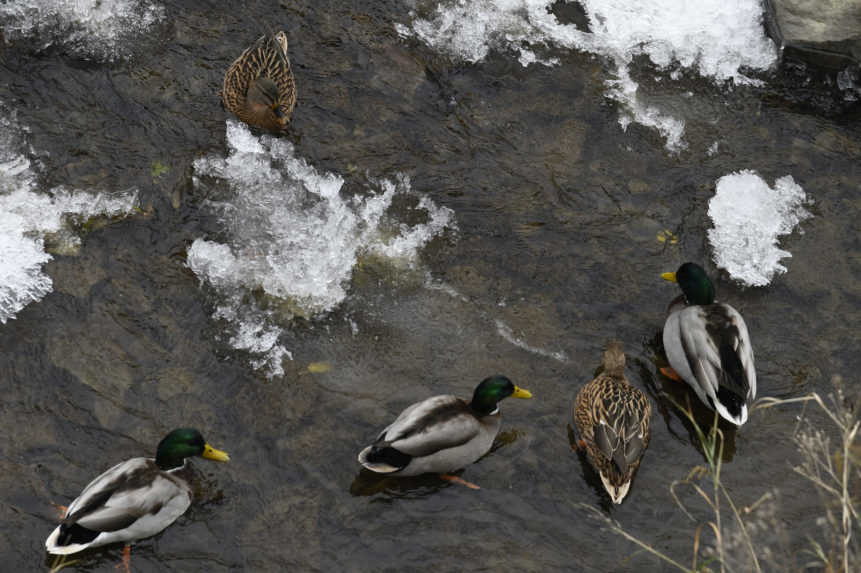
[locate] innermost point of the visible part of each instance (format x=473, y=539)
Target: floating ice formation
x=100, y=29
x=290, y=234
x=27, y=216
x=748, y=218
x=718, y=38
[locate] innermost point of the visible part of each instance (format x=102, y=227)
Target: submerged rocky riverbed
x=467, y=188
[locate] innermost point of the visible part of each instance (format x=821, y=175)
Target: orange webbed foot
x=125, y=564
x=671, y=374
x=461, y=481
x=61, y=510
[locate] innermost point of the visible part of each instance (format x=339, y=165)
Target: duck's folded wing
x=98, y=490
x=743, y=348
x=637, y=427
x=122, y=495
x=435, y=424
x=622, y=431
x=718, y=350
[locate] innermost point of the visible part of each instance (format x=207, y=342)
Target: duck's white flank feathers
x=132, y=500
x=441, y=433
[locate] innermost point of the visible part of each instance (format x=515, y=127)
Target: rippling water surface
x=427, y=221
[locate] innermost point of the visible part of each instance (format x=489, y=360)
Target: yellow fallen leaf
x=666, y=236
x=319, y=367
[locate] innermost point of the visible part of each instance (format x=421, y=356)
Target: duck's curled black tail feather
x=385, y=459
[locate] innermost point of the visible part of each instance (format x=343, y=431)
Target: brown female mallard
x=259, y=87
x=612, y=419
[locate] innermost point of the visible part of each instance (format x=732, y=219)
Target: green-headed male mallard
x=708, y=346
x=259, y=87
x=442, y=433
x=612, y=419
x=134, y=499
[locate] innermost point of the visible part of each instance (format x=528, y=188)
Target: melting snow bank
x=717, y=37
x=289, y=234
x=28, y=216
x=748, y=217
x=101, y=29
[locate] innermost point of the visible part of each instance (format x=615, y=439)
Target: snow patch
x=749, y=217
x=717, y=38
x=98, y=29
x=27, y=216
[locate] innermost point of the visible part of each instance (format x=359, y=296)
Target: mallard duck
x=708, y=346
x=134, y=499
x=442, y=433
x=612, y=419
x=259, y=87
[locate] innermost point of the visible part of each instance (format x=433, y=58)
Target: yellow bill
x=521, y=393
x=669, y=277
x=211, y=453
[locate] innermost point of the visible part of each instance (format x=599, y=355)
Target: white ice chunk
x=28, y=215
x=100, y=29
x=290, y=234
x=624, y=91
x=717, y=38
x=748, y=218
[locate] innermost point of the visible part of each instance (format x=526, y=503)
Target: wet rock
x=69, y=353
x=800, y=150
x=571, y=13
x=818, y=20
x=293, y=512
x=474, y=282
x=533, y=325
x=76, y=276
x=837, y=143
x=173, y=381
x=397, y=71
x=825, y=34
x=638, y=186
x=647, y=231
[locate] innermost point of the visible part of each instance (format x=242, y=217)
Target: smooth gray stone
x=824, y=33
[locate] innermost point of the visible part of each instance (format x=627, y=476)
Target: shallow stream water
x=555, y=245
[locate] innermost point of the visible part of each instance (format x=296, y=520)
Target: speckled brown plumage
x=266, y=59
x=612, y=419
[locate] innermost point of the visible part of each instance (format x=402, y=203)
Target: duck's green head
x=694, y=282
x=183, y=443
x=492, y=390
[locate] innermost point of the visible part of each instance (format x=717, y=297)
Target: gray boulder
x=823, y=33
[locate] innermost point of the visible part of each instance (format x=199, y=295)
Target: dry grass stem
x=819, y=467
x=831, y=473
x=616, y=528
